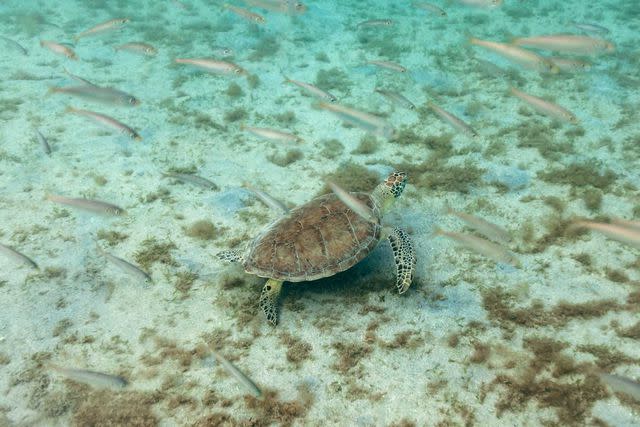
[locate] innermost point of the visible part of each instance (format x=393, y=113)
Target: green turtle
x=324, y=237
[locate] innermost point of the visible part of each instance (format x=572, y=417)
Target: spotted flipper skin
x=269, y=300
x=231, y=256
x=405, y=258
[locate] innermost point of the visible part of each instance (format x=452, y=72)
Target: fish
x=366, y=121
x=522, y=57
x=622, y=234
x=104, y=95
x=193, y=179
x=9, y=252
x=289, y=7
x=43, y=142
x=388, y=65
x=109, y=122
x=212, y=65
x=454, y=121
x=246, y=14
x=78, y=78
x=16, y=45
x=481, y=3
x=620, y=384
x=590, y=28
x=376, y=23
x=396, y=98
x=484, y=227
x=353, y=203
x=271, y=134
x=59, y=48
x=137, y=47
x=110, y=25
x=481, y=246
x=569, y=64
x=546, y=107
x=429, y=7
x=236, y=373
x=265, y=198
x=634, y=225
x=126, y=266
x=312, y=90
x=567, y=43
x=96, y=206
x=92, y=378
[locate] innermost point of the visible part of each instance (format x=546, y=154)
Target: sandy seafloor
x=471, y=343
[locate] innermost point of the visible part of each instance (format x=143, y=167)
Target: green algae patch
x=352, y=177
x=580, y=175
x=287, y=158
x=349, y=356
x=332, y=148
x=457, y=178
x=202, y=230
x=154, y=251
x=234, y=90
x=184, y=282
x=368, y=145
x=333, y=79
x=130, y=408
x=500, y=307
x=236, y=115
x=298, y=350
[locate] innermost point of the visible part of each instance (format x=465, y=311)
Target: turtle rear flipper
x=405, y=258
x=230, y=255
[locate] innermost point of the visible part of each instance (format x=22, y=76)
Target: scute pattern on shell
x=318, y=239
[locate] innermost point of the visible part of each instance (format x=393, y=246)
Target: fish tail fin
x=437, y=231
x=52, y=90
x=575, y=226
x=447, y=209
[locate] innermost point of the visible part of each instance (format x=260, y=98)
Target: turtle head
x=390, y=189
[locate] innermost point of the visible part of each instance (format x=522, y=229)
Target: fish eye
x=133, y=101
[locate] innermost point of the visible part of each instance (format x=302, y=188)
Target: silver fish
x=126, y=266
x=481, y=246
x=193, y=179
x=43, y=142
x=274, y=204
x=353, y=203
x=246, y=382
x=78, y=78
x=92, y=378
x=17, y=256
x=312, y=90
x=15, y=44
x=366, y=121
x=621, y=384
x=95, y=206
x=454, y=121
x=396, y=98
x=107, y=121
x=105, y=95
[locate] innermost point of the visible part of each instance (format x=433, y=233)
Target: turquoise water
x=125, y=168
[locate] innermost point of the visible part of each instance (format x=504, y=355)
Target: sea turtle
x=324, y=237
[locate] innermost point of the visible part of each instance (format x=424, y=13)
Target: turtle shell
x=318, y=239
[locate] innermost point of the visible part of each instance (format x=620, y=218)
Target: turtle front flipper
x=230, y=255
x=269, y=300
x=405, y=258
